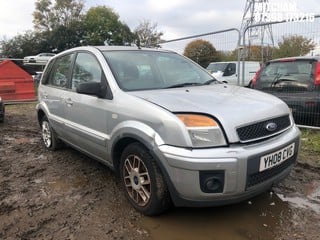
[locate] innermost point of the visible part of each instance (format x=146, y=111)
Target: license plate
x=273, y=159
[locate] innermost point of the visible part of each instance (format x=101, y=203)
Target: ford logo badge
x=271, y=126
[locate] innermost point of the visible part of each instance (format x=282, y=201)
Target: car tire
x=143, y=181
x=49, y=137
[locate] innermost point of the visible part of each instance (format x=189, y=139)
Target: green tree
x=147, y=34
x=48, y=16
x=293, y=45
x=202, y=52
x=58, y=24
x=65, y=37
x=102, y=26
x=228, y=55
x=20, y=45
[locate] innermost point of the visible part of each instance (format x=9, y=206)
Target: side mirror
x=92, y=88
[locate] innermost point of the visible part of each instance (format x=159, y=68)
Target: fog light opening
x=212, y=181
x=213, y=184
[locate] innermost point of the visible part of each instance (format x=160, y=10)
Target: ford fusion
x=173, y=134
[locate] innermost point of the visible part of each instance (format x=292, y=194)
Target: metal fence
x=235, y=40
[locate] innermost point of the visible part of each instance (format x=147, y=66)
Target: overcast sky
x=175, y=18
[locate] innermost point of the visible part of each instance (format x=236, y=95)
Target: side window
x=86, y=69
x=60, y=71
x=230, y=69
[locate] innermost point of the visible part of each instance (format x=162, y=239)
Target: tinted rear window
x=287, y=76
x=274, y=69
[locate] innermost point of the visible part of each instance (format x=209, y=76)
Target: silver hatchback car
x=172, y=132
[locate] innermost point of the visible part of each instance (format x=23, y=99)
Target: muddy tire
x=142, y=181
x=49, y=137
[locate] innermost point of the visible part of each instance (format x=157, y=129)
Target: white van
x=228, y=71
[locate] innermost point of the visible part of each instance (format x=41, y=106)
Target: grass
x=310, y=147
x=310, y=140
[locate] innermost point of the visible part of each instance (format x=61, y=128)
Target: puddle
x=311, y=199
x=268, y=216
x=254, y=219
x=67, y=184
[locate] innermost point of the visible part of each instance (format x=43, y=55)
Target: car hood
x=232, y=106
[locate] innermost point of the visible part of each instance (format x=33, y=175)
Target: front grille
x=259, y=177
x=259, y=130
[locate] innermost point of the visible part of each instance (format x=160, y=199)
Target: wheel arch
x=40, y=115
x=121, y=143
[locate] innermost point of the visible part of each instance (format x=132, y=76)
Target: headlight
x=203, y=130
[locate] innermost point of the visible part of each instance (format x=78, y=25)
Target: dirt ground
x=66, y=195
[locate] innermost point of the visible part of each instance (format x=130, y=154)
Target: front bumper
x=239, y=163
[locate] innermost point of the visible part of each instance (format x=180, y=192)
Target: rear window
x=287, y=68
x=287, y=75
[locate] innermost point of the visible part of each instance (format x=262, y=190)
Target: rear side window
x=60, y=71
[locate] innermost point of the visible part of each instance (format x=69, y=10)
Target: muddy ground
x=66, y=195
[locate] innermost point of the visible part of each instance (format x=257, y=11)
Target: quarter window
x=86, y=69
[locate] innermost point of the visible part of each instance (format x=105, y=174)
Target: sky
x=175, y=18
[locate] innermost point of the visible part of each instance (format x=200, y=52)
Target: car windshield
x=143, y=70
x=216, y=67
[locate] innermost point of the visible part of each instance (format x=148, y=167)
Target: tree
x=294, y=45
x=48, y=16
x=202, y=52
x=20, y=45
x=228, y=55
x=65, y=37
x=102, y=26
x=258, y=53
x=147, y=34
x=59, y=25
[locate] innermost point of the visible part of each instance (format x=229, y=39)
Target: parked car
x=296, y=81
x=171, y=131
x=41, y=58
x=228, y=72
x=2, y=110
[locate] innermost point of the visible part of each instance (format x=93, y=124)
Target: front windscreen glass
x=216, y=67
x=142, y=70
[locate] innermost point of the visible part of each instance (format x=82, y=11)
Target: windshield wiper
x=279, y=78
x=192, y=84
x=210, y=81
x=184, y=84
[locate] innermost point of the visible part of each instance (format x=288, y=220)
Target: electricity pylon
x=255, y=28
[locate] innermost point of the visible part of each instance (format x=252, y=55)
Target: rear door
x=87, y=115
x=54, y=89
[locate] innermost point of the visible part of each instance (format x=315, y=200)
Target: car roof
x=112, y=48
x=316, y=58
